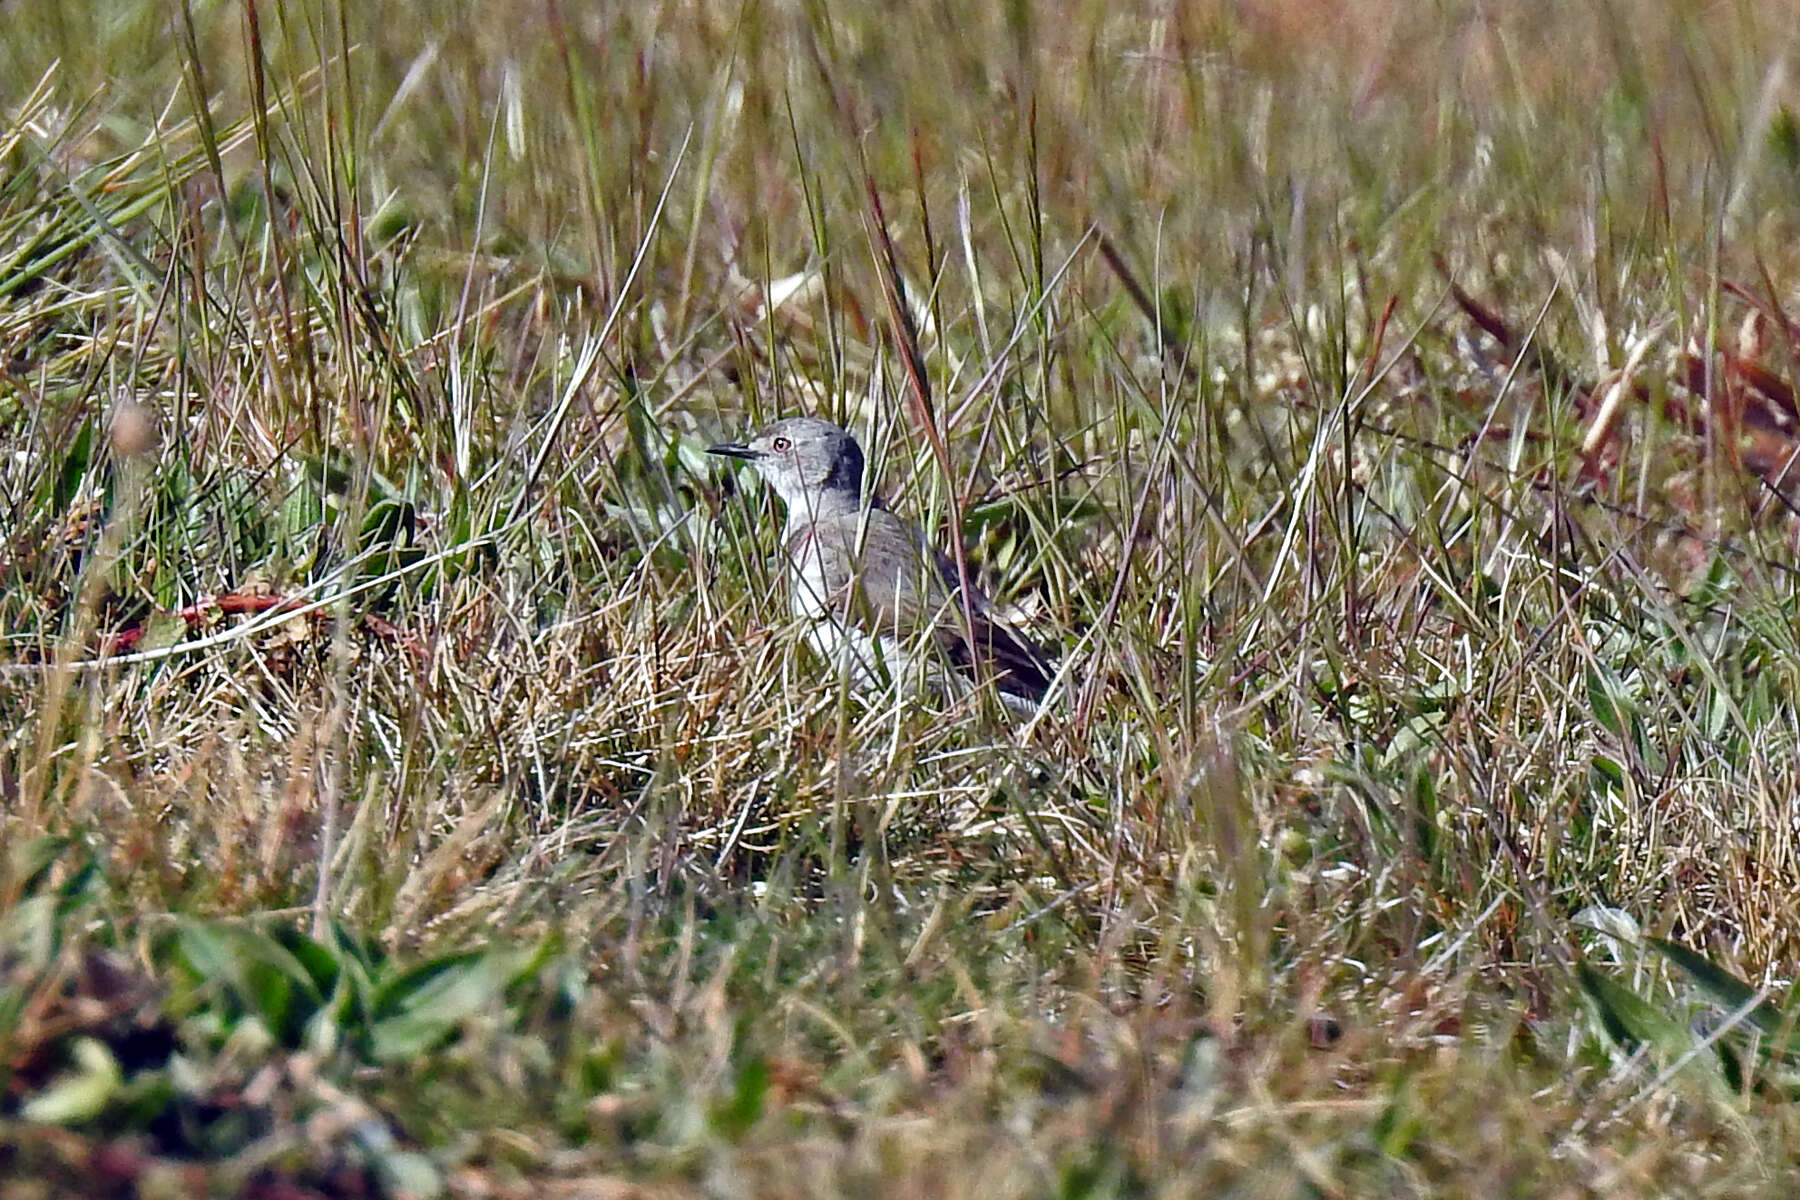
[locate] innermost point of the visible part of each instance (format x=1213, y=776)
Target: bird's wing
x=905, y=588
x=1017, y=665
x=869, y=566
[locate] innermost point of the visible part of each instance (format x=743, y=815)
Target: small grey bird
x=868, y=584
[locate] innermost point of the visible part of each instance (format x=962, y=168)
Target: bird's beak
x=734, y=450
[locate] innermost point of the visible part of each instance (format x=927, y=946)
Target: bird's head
x=804, y=459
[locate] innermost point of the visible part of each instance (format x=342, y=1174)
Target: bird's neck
x=809, y=507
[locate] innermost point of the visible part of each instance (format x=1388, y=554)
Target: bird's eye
x=782, y=445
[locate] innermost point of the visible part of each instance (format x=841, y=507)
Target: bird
x=868, y=585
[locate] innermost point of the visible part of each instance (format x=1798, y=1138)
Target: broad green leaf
x=263, y=976
x=1607, y=700
x=1629, y=1019
x=1728, y=991
x=432, y=1006
x=83, y=1093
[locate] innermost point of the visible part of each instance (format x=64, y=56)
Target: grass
x=413, y=785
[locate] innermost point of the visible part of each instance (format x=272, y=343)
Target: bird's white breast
x=837, y=631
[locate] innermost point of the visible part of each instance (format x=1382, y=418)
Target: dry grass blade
x=918, y=391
